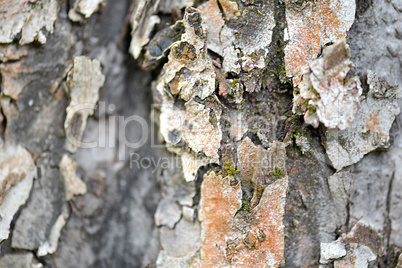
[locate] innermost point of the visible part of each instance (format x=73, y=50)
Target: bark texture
x=186, y=133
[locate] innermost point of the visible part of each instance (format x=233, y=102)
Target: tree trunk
x=215, y=133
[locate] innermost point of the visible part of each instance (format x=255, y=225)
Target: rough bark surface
x=212, y=133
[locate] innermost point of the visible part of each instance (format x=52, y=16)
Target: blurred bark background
x=228, y=175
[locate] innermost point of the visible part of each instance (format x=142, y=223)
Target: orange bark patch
x=309, y=29
x=268, y=217
x=249, y=239
x=219, y=203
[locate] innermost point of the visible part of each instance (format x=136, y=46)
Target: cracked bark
x=274, y=136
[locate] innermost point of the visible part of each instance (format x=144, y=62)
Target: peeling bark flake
x=17, y=171
x=312, y=25
x=83, y=81
x=26, y=22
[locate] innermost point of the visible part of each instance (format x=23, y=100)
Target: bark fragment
x=50, y=246
x=254, y=35
x=83, y=9
x=12, y=83
x=39, y=224
x=184, y=239
x=168, y=213
x=311, y=25
x=142, y=22
x=160, y=44
x=12, y=52
x=180, y=235
x=73, y=184
x=65, y=185
x=219, y=204
x=219, y=35
x=332, y=251
x=340, y=187
x=27, y=21
x=329, y=91
x=17, y=171
x=83, y=82
x=190, y=76
x=239, y=239
x=370, y=128
x=358, y=248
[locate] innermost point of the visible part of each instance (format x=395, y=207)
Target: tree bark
x=190, y=133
